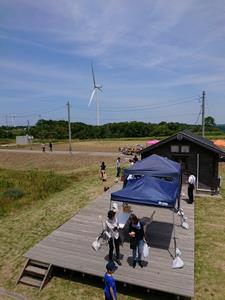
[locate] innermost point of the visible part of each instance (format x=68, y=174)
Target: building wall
x=22, y=140
x=208, y=165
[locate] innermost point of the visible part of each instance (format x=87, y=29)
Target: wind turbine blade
x=93, y=75
x=92, y=95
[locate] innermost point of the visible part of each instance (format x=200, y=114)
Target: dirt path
x=90, y=153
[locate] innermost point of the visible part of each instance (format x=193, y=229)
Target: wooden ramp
x=69, y=247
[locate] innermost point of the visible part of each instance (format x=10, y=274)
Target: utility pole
x=7, y=126
x=69, y=127
x=203, y=113
x=28, y=127
x=28, y=134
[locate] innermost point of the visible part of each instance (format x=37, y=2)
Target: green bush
x=13, y=193
x=27, y=187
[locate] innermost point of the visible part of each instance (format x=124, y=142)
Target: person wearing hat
x=115, y=207
x=112, y=227
x=110, y=283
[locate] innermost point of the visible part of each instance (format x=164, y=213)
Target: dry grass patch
x=60, y=163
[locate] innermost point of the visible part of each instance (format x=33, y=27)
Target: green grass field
x=210, y=246
x=50, y=198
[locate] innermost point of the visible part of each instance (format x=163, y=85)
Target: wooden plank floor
x=69, y=247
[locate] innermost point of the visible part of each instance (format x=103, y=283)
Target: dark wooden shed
x=196, y=154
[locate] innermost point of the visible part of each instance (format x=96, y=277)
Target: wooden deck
x=69, y=247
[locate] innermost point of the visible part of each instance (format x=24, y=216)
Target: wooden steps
x=28, y=280
x=35, y=274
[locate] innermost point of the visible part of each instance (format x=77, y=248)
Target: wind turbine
x=95, y=92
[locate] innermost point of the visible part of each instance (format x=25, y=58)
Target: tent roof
x=155, y=165
x=149, y=191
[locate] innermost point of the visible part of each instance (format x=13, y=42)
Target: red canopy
x=151, y=142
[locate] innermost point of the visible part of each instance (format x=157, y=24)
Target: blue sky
x=153, y=59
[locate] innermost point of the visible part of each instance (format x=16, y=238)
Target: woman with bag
x=136, y=233
x=112, y=228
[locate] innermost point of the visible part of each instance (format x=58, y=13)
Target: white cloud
x=155, y=45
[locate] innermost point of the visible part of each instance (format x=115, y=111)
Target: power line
x=165, y=116
x=18, y=116
x=199, y=114
x=142, y=107
x=152, y=107
x=179, y=100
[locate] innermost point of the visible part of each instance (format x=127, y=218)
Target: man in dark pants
x=191, y=186
x=118, y=168
x=112, y=227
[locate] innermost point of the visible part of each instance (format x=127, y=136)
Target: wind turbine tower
x=95, y=92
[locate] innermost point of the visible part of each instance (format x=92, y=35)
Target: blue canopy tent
x=155, y=181
x=148, y=191
x=155, y=165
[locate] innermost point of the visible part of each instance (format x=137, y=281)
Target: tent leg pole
x=174, y=236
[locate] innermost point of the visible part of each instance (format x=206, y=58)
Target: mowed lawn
x=21, y=226
x=210, y=246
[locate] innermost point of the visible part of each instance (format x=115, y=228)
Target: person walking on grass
x=136, y=233
x=118, y=168
x=103, y=171
x=110, y=283
x=112, y=227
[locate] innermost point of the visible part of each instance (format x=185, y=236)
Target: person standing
x=110, y=283
x=43, y=147
x=112, y=227
x=50, y=147
x=103, y=171
x=135, y=159
x=191, y=186
x=136, y=233
x=118, y=167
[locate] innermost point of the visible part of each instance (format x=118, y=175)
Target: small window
x=185, y=149
x=174, y=148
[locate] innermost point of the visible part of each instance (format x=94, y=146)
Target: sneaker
x=118, y=262
x=134, y=263
x=140, y=263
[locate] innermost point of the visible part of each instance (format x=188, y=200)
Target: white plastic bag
x=185, y=225
x=96, y=245
x=177, y=263
x=146, y=249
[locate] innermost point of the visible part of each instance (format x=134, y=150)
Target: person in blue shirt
x=110, y=283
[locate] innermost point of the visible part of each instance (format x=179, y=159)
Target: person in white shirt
x=112, y=227
x=191, y=186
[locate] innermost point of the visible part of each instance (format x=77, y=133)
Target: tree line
x=51, y=129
